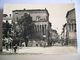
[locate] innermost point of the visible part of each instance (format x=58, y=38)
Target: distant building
x=53, y=35
x=63, y=34
x=69, y=29
x=40, y=19
x=7, y=18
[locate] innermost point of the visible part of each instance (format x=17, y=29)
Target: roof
x=30, y=10
x=69, y=12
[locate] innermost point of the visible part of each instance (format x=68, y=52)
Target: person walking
x=15, y=48
x=10, y=42
x=7, y=46
x=6, y=43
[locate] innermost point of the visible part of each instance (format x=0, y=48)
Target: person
x=23, y=44
x=62, y=42
x=10, y=42
x=6, y=43
x=7, y=46
x=15, y=48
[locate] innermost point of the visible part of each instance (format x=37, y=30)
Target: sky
x=38, y=1
x=57, y=12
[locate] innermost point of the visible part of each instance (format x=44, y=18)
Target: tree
x=6, y=29
x=26, y=26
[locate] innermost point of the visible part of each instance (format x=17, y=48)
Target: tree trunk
x=26, y=42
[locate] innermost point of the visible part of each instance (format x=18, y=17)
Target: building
x=69, y=29
x=40, y=18
x=63, y=34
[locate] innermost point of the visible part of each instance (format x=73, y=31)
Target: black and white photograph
x=39, y=29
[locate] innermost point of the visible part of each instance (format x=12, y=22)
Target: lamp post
x=44, y=36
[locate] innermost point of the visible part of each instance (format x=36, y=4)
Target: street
x=37, y=53
x=42, y=50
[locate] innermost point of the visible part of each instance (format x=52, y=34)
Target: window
x=37, y=28
x=72, y=27
x=43, y=29
x=37, y=18
x=17, y=18
x=16, y=13
x=75, y=28
x=34, y=27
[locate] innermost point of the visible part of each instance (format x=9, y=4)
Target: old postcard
x=39, y=29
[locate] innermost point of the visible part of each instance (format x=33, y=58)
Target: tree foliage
x=26, y=27
x=6, y=29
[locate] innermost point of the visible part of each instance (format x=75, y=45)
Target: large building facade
x=69, y=29
x=40, y=18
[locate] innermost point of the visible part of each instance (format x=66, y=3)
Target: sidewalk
x=42, y=50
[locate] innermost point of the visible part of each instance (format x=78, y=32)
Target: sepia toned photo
x=39, y=29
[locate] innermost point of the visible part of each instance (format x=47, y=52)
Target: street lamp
x=44, y=36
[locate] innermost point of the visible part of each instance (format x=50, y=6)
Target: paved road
x=48, y=53
x=46, y=50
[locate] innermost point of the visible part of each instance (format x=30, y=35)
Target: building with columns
x=40, y=18
x=69, y=29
